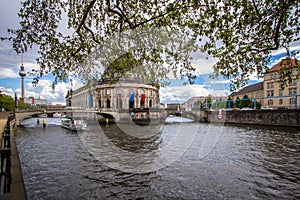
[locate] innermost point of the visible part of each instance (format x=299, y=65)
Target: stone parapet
x=258, y=117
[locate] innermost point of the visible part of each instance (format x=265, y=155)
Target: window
x=270, y=102
x=107, y=91
x=292, y=91
x=270, y=93
x=273, y=76
x=270, y=85
x=292, y=100
x=280, y=101
x=295, y=82
x=280, y=92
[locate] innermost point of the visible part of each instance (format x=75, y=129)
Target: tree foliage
x=229, y=103
x=240, y=33
x=6, y=102
x=245, y=102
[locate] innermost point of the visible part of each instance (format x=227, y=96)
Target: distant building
x=254, y=91
x=192, y=102
x=196, y=102
x=269, y=92
x=35, y=102
x=173, y=106
x=274, y=95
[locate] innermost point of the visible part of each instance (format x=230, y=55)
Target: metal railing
x=5, y=155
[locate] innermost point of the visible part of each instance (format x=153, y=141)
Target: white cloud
x=7, y=91
x=203, y=62
x=294, y=46
x=219, y=81
x=30, y=66
x=44, y=90
x=8, y=73
x=180, y=94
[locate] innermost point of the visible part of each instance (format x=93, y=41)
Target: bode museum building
x=129, y=92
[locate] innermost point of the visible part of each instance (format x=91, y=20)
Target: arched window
x=270, y=102
x=292, y=100
x=99, y=102
x=107, y=103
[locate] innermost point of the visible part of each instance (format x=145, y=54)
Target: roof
x=249, y=88
x=285, y=63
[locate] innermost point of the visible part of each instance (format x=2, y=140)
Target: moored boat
x=58, y=115
x=43, y=115
x=72, y=123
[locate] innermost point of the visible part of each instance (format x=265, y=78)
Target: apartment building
x=274, y=94
x=270, y=93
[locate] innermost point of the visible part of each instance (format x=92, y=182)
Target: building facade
x=275, y=95
x=126, y=93
x=198, y=101
x=253, y=92
x=35, y=102
x=270, y=93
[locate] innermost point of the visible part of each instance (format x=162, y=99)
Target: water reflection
x=120, y=138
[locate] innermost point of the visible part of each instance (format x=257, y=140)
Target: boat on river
x=58, y=115
x=74, y=123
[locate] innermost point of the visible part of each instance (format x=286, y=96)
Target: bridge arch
x=108, y=117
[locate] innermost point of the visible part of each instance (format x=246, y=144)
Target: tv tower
x=22, y=73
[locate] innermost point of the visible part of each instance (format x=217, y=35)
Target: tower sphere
x=22, y=72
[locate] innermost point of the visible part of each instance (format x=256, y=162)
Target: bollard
x=107, y=120
x=44, y=123
x=38, y=121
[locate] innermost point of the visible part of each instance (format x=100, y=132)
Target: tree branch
x=256, y=9
x=90, y=6
x=92, y=33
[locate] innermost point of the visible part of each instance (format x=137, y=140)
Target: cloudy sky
x=10, y=62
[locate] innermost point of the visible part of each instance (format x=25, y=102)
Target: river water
x=170, y=161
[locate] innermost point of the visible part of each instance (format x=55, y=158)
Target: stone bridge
x=194, y=114
x=28, y=113
x=111, y=115
x=161, y=115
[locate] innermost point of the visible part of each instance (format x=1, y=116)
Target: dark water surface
x=245, y=163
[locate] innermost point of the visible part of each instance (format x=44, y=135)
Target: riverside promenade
x=17, y=184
